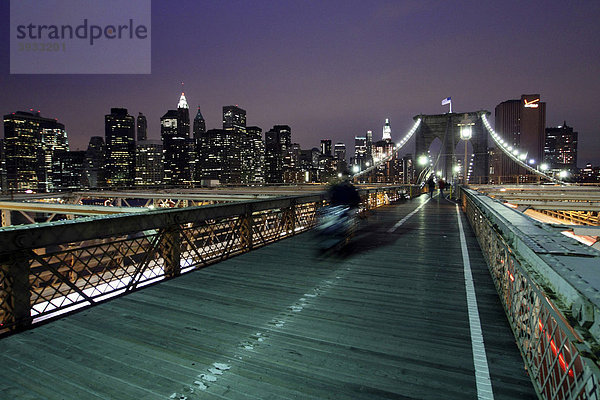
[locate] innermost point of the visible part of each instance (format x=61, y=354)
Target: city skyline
x=388, y=60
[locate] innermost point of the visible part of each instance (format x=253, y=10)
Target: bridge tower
x=446, y=127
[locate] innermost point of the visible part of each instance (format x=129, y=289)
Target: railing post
x=289, y=218
x=170, y=251
x=15, y=294
x=246, y=231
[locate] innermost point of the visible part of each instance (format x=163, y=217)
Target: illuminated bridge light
x=513, y=153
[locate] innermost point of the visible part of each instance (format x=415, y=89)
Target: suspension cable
x=391, y=155
x=513, y=154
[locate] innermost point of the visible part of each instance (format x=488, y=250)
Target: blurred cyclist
x=344, y=193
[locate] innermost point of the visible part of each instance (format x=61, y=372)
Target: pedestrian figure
x=441, y=186
x=431, y=186
x=344, y=193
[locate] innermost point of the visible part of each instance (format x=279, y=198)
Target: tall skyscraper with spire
x=183, y=117
x=175, y=134
x=387, y=130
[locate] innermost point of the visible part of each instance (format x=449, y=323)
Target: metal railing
x=558, y=352
x=52, y=268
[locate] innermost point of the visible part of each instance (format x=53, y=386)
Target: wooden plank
x=386, y=320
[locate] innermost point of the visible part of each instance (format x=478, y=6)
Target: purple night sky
x=333, y=69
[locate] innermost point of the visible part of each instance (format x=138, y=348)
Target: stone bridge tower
x=447, y=127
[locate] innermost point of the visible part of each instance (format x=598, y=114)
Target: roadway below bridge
x=390, y=318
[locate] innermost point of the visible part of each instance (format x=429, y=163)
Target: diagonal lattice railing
x=52, y=268
x=559, y=358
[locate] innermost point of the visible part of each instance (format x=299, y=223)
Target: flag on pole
x=447, y=100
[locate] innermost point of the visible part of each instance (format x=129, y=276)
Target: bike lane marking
x=482, y=372
x=403, y=220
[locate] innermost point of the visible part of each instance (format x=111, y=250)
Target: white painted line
x=403, y=220
x=482, y=372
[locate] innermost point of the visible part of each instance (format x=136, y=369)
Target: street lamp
x=422, y=160
x=466, y=134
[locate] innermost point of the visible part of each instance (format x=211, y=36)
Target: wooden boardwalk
x=387, y=320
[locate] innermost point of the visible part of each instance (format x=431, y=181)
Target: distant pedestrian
x=441, y=186
x=431, y=186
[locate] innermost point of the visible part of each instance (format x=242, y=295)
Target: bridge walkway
x=386, y=320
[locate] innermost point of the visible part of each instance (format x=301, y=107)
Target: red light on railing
x=512, y=278
x=561, y=358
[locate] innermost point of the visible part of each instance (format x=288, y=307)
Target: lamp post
x=465, y=134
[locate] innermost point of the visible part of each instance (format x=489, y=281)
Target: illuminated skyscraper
x=219, y=156
x=68, y=171
x=326, y=147
x=257, y=154
x=234, y=122
x=560, y=150
x=94, y=163
x=149, y=163
x=142, y=127
x=360, y=151
x=234, y=119
x=31, y=142
x=3, y=184
x=387, y=130
x=339, y=151
x=369, y=137
x=22, y=140
x=54, y=142
x=175, y=150
x=522, y=124
x=175, y=135
x=407, y=169
x=386, y=171
x=199, y=125
x=183, y=117
x=119, y=132
x=278, y=142
x=199, y=130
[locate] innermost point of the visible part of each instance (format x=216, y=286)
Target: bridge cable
x=514, y=153
x=394, y=152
